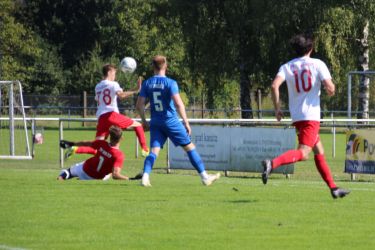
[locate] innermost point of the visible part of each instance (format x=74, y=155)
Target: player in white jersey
x=106, y=93
x=304, y=76
x=106, y=96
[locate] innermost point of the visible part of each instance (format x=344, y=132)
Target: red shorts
x=308, y=132
x=112, y=118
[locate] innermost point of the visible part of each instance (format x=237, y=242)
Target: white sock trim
x=204, y=175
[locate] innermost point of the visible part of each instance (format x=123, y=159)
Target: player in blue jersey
x=166, y=107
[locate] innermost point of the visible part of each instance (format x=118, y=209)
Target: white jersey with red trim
x=304, y=76
x=106, y=97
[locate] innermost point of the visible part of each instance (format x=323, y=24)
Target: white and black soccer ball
x=128, y=65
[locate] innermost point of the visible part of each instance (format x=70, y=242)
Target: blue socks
x=196, y=160
x=193, y=155
x=149, y=163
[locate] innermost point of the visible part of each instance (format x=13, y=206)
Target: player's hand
x=188, y=129
x=279, y=114
x=146, y=126
x=66, y=144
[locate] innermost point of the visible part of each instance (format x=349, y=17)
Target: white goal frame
x=11, y=119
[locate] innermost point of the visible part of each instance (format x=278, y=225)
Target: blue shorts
x=174, y=130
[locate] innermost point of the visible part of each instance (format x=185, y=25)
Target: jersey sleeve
x=96, y=144
x=116, y=87
x=119, y=160
x=174, y=88
x=323, y=71
x=96, y=93
x=143, y=91
x=281, y=72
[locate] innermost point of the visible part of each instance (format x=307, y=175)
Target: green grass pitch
x=237, y=212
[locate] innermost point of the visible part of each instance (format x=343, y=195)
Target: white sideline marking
x=5, y=247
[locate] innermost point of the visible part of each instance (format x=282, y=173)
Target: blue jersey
x=159, y=90
x=165, y=122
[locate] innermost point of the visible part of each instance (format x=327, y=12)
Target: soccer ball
x=38, y=138
x=128, y=65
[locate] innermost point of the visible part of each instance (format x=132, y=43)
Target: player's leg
x=307, y=138
x=79, y=150
x=157, y=140
x=325, y=172
x=102, y=129
x=86, y=150
x=290, y=156
x=125, y=122
x=78, y=171
x=198, y=164
x=65, y=175
x=178, y=135
x=308, y=135
x=148, y=165
x=322, y=165
x=70, y=172
x=140, y=133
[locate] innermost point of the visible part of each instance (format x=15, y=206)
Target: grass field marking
x=5, y=247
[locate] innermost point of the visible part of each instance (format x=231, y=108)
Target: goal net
x=14, y=137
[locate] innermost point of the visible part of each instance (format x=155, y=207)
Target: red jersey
x=105, y=159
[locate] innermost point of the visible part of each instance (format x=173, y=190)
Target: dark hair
x=115, y=134
x=158, y=62
x=302, y=44
x=108, y=67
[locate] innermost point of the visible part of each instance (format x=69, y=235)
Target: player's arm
x=275, y=89
x=116, y=174
x=125, y=94
x=180, y=107
x=140, y=107
x=329, y=87
x=68, y=144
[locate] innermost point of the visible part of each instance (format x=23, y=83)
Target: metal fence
x=85, y=106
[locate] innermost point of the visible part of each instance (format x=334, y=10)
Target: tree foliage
x=219, y=51
x=25, y=56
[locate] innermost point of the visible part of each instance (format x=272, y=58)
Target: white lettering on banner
x=205, y=138
x=236, y=148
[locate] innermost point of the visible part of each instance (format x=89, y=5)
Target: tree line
x=220, y=51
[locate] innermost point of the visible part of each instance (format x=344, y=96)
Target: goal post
x=14, y=136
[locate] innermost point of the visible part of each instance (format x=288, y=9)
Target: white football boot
x=210, y=179
x=145, y=181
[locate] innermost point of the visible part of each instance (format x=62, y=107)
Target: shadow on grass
x=243, y=177
x=242, y=201
x=360, y=180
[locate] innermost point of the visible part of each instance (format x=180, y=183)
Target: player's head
x=159, y=63
x=302, y=44
x=109, y=71
x=115, y=134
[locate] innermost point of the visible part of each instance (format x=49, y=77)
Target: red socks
x=141, y=137
x=290, y=156
x=85, y=150
x=324, y=170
